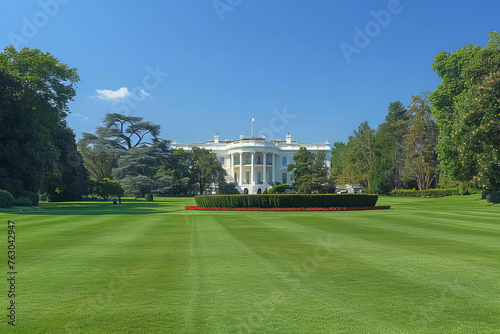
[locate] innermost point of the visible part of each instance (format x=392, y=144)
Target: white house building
x=255, y=163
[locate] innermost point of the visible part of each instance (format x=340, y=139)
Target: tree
x=398, y=118
x=421, y=141
x=128, y=149
x=388, y=150
x=65, y=177
x=136, y=169
x=310, y=173
x=357, y=157
x=99, y=156
x=461, y=72
x=205, y=170
x=336, y=162
x=478, y=135
x=127, y=132
x=34, y=93
x=106, y=188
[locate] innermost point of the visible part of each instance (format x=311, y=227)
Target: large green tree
x=357, y=157
x=478, y=135
x=35, y=89
x=310, y=174
x=462, y=72
x=421, y=141
x=205, y=170
x=388, y=154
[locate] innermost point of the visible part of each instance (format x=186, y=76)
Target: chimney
x=288, y=138
x=216, y=138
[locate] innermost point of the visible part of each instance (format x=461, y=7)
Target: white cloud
x=107, y=94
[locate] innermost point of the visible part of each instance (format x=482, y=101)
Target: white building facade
x=254, y=163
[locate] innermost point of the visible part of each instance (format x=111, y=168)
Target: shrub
x=493, y=197
x=6, y=199
x=279, y=189
x=148, y=197
x=286, y=200
x=107, y=188
x=33, y=196
x=425, y=193
x=485, y=193
x=23, y=201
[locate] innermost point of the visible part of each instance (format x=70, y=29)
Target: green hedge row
x=6, y=199
x=425, y=193
x=286, y=200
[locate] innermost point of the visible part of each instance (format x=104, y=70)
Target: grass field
x=425, y=266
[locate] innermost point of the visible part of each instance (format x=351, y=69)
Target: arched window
x=259, y=191
x=245, y=191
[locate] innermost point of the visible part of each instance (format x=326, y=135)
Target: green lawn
x=425, y=266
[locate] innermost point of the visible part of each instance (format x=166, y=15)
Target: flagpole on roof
x=251, y=133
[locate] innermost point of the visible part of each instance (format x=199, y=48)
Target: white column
x=274, y=171
x=264, y=169
x=241, y=168
x=252, y=170
x=231, y=156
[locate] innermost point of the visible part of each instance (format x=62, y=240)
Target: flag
x=253, y=119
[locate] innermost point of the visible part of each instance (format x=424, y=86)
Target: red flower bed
x=337, y=208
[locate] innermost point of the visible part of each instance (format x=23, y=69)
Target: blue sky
x=200, y=67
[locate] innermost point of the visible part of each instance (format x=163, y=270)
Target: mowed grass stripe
x=225, y=276
x=105, y=265
x=409, y=258
x=154, y=267
x=311, y=271
x=440, y=268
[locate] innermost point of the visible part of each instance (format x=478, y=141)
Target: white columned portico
x=241, y=168
x=252, y=170
x=264, y=169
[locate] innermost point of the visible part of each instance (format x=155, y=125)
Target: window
x=222, y=161
x=259, y=177
x=284, y=178
x=283, y=161
x=270, y=178
x=248, y=159
x=236, y=177
x=259, y=160
x=247, y=177
x=237, y=160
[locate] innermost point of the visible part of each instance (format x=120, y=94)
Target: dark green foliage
x=33, y=196
x=106, y=188
x=310, y=174
x=265, y=191
x=148, y=197
x=425, y=193
x=228, y=188
x=23, y=201
x=279, y=189
x=66, y=178
x=464, y=188
x=286, y=200
x=6, y=199
x=464, y=105
x=485, y=193
x=493, y=197
x=35, y=91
